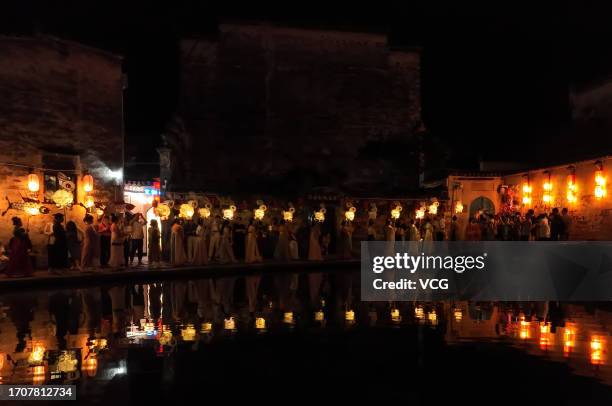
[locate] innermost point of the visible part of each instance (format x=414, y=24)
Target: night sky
x=495, y=75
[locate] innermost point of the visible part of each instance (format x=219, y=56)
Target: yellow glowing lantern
x=396, y=317
x=88, y=183
x=228, y=214
x=260, y=323
x=38, y=353
x=420, y=213
x=572, y=189
x=188, y=333
x=186, y=211
x=320, y=215
x=162, y=210
x=458, y=314
x=166, y=336
x=89, y=202
x=62, y=198
x=524, y=329
x=90, y=366
x=33, y=183
x=459, y=207
x=545, y=336
x=149, y=328
x=349, y=316
x=569, y=339
x=67, y=362
x=39, y=374
x=419, y=313
x=288, y=215
x=396, y=211
x=547, y=196
x=260, y=212
x=229, y=324
x=206, y=327
x=31, y=208
x=432, y=316
x=600, y=185
x=319, y=315
x=350, y=214
x=597, y=350
x=204, y=212
x=433, y=208
x=288, y=318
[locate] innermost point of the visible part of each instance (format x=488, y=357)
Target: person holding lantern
x=154, y=249
x=18, y=248
x=252, y=250
x=281, y=253
x=200, y=253
x=177, y=244
x=314, y=247
x=215, y=239
x=226, y=251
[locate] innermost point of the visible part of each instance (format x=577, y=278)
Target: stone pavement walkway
x=44, y=279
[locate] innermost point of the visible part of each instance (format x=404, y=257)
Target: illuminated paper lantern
x=396, y=317
x=459, y=207
x=33, y=183
x=524, y=330
x=420, y=213
x=62, y=198
x=572, y=189
x=396, y=211
x=206, y=327
x=37, y=355
x=31, y=208
x=260, y=323
x=432, y=316
x=547, y=196
x=89, y=202
x=188, y=333
x=600, y=185
x=319, y=216
x=319, y=316
x=288, y=215
x=349, y=316
x=597, y=345
x=186, y=211
x=526, y=194
x=229, y=324
x=88, y=183
x=288, y=318
x=458, y=314
x=569, y=338
x=433, y=208
x=204, y=212
x=162, y=210
x=419, y=313
x=350, y=214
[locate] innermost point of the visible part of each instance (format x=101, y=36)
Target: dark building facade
x=288, y=109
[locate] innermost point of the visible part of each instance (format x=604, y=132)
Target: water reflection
x=94, y=334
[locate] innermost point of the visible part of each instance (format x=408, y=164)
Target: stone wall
x=265, y=105
x=60, y=108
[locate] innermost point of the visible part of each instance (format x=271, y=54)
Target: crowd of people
x=117, y=241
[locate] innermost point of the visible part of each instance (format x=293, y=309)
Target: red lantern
x=88, y=183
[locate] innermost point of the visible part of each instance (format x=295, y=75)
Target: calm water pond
x=301, y=336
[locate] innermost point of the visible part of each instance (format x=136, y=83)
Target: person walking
x=116, y=260
x=252, y=250
x=57, y=245
x=74, y=238
x=104, y=231
x=154, y=249
x=19, y=248
x=91, y=245
x=567, y=224
x=137, y=225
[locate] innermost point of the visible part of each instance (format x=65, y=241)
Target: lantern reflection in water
x=396, y=317
x=419, y=313
x=319, y=316
x=90, y=366
x=546, y=338
x=188, y=333
x=432, y=316
x=524, y=330
x=229, y=324
x=349, y=316
x=206, y=327
x=597, y=350
x=37, y=355
x=260, y=323
x=458, y=314
x=569, y=338
x=288, y=318
x=39, y=375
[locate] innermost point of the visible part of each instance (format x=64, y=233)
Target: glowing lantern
x=33, y=183
x=319, y=315
x=88, y=183
x=349, y=316
x=432, y=316
x=62, y=198
x=288, y=318
x=186, y=211
x=206, y=327
x=459, y=207
x=569, y=339
x=260, y=323
x=90, y=366
x=149, y=328
x=545, y=336
x=67, y=361
x=204, y=212
x=458, y=314
x=597, y=350
x=350, y=214
x=572, y=189
x=37, y=355
x=89, y=202
x=396, y=317
x=433, y=208
x=396, y=211
x=420, y=213
x=547, y=196
x=31, y=209
x=288, y=215
x=188, y=333
x=526, y=194
x=320, y=215
x=229, y=324
x=524, y=330
x=39, y=374
x=228, y=214
x=166, y=336
x=260, y=212
x=600, y=185
x=419, y=313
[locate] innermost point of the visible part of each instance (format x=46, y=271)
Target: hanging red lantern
x=88, y=183
x=33, y=183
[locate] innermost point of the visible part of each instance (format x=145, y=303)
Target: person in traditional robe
x=177, y=254
x=281, y=253
x=215, y=239
x=57, y=246
x=346, y=240
x=390, y=237
x=90, y=253
x=239, y=238
x=314, y=246
x=200, y=254
x=154, y=249
x=117, y=242
x=226, y=251
x=252, y=250
x=19, y=248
